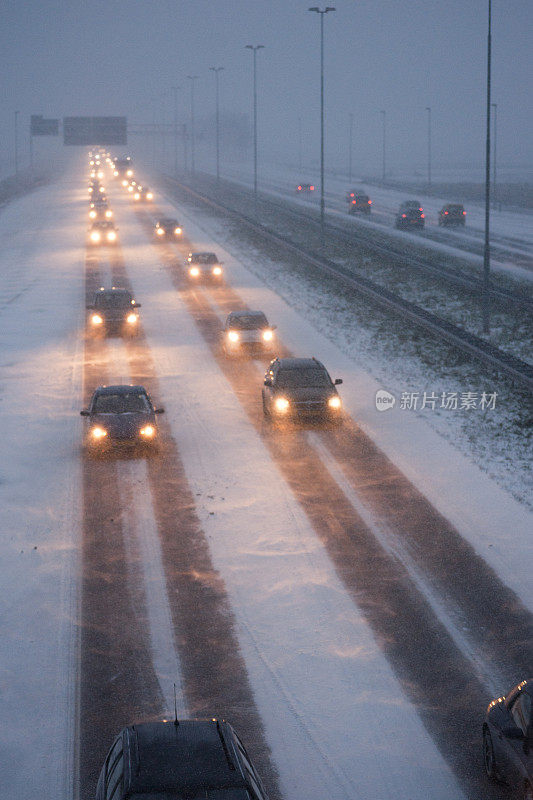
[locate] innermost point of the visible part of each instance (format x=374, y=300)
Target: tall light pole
x=485, y=300
x=216, y=70
x=192, y=78
x=16, y=143
x=175, y=89
x=495, y=107
x=322, y=13
x=383, y=168
x=254, y=49
x=300, y=145
x=350, y=149
x=428, y=109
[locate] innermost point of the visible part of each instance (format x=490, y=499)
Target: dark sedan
x=121, y=415
x=114, y=311
x=248, y=332
x=168, y=228
x=183, y=759
x=410, y=214
x=508, y=740
x=300, y=387
x=452, y=214
x=204, y=266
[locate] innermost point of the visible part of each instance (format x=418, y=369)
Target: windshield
x=112, y=301
x=248, y=322
x=123, y=403
x=306, y=377
x=204, y=258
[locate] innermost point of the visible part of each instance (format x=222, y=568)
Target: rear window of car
x=454, y=208
x=306, y=377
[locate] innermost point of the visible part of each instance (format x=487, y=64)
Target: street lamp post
x=485, y=300
x=350, y=149
x=192, y=79
x=175, y=90
x=216, y=71
x=384, y=116
x=16, y=144
x=254, y=49
x=322, y=13
x=495, y=107
x=428, y=109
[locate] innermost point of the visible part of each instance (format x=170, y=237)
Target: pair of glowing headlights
x=282, y=405
x=96, y=237
x=98, y=433
x=194, y=272
x=131, y=319
x=234, y=336
x=93, y=214
x=162, y=231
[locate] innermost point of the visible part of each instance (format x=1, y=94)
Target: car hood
x=123, y=425
x=303, y=393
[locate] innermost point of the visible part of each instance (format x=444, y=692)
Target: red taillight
x=354, y=202
x=299, y=188
x=404, y=215
x=370, y=202
x=445, y=213
x=422, y=216
x=464, y=213
x=352, y=194
x=420, y=209
x=312, y=188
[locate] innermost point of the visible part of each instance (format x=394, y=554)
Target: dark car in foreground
x=508, y=740
x=410, y=214
x=452, y=214
x=248, y=332
x=114, y=311
x=179, y=760
x=121, y=415
x=204, y=266
x=300, y=387
x=168, y=228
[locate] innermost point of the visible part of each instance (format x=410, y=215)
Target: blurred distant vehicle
x=508, y=740
x=248, y=332
x=300, y=387
x=142, y=194
x=410, y=214
x=114, y=311
x=123, y=167
x=179, y=760
x=359, y=203
x=452, y=214
x=103, y=232
x=204, y=266
x=168, y=228
x=305, y=187
x=120, y=415
x=100, y=211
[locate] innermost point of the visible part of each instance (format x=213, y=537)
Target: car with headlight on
x=508, y=740
x=142, y=194
x=168, y=228
x=103, y=232
x=410, y=215
x=204, y=267
x=114, y=311
x=121, y=415
x=359, y=203
x=179, y=759
x=305, y=188
x=298, y=388
x=248, y=333
x=100, y=211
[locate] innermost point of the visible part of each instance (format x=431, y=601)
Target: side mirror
x=85, y=413
x=514, y=733
x=159, y=410
x=337, y=381
x=268, y=381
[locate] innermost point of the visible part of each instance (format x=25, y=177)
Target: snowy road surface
x=342, y=598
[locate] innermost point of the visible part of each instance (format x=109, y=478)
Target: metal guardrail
x=520, y=371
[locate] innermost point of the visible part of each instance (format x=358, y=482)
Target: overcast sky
x=119, y=56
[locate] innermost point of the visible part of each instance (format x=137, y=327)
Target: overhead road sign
x=43, y=127
x=88, y=131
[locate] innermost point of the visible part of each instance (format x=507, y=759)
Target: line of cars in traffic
x=206, y=758
x=410, y=214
